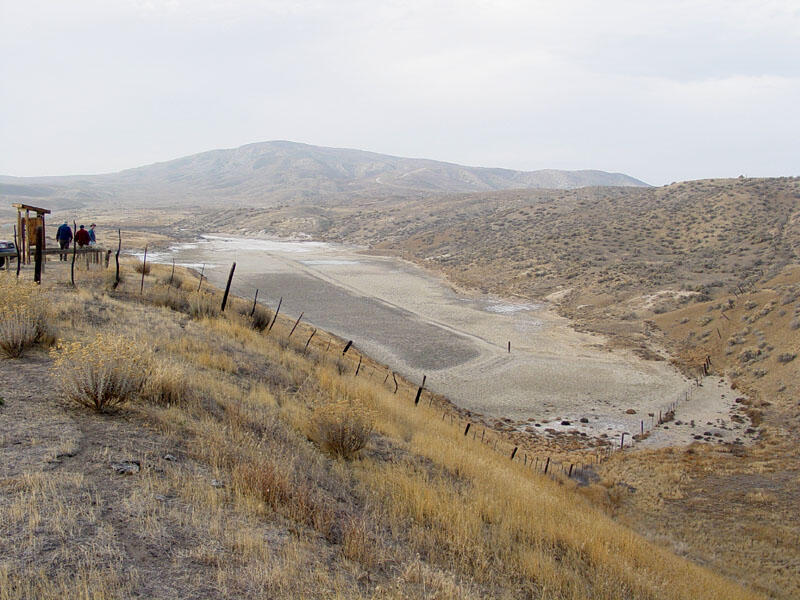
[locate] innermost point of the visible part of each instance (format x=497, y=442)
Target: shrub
x=787, y=357
x=342, y=428
x=100, y=374
x=260, y=319
x=203, y=304
x=23, y=321
x=140, y=267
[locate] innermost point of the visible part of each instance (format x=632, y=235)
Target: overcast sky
x=664, y=91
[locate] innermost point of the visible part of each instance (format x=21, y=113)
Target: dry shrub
x=260, y=318
x=23, y=321
x=342, y=428
x=165, y=384
x=100, y=374
x=141, y=267
x=203, y=305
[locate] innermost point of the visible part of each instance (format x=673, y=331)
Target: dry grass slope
x=249, y=505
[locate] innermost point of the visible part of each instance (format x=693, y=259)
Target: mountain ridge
x=284, y=171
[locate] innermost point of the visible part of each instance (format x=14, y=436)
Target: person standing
x=82, y=237
x=64, y=237
x=92, y=239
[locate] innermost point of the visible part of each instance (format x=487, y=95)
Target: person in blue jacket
x=64, y=237
x=92, y=238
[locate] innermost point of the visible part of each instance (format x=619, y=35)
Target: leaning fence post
x=227, y=287
x=253, y=310
x=308, y=341
x=547, y=465
x=358, y=368
x=144, y=269
x=419, y=391
x=466, y=431
x=394, y=378
x=514, y=452
x=347, y=347
x=295, y=324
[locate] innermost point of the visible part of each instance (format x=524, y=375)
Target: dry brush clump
x=342, y=428
x=23, y=321
x=100, y=374
x=141, y=267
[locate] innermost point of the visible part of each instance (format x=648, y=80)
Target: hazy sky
x=663, y=91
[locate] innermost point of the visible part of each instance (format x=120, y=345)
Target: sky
x=663, y=91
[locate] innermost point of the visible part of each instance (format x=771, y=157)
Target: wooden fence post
x=144, y=269
x=275, y=316
x=16, y=245
x=296, y=323
x=227, y=287
x=347, y=347
x=547, y=465
x=514, y=452
x=37, y=269
x=253, y=310
x=116, y=258
x=358, y=368
x=308, y=341
x=202, y=270
x=172, y=274
x=466, y=431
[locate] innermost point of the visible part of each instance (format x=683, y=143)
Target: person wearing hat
x=92, y=239
x=82, y=237
x=64, y=237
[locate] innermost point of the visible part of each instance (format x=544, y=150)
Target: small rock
x=217, y=483
x=565, y=422
x=169, y=457
x=127, y=467
x=630, y=411
x=584, y=420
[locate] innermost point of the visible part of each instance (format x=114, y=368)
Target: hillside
x=223, y=475
x=270, y=173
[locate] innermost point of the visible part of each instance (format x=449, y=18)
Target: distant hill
x=287, y=172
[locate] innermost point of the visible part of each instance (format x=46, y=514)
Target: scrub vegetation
x=229, y=460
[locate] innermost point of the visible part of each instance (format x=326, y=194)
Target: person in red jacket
x=82, y=237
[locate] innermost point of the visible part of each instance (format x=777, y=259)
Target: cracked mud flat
x=417, y=324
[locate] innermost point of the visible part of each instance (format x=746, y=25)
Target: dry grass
x=100, y=374
x=23, y=320
x=423, y=513
x=142, y=267
x=342, y=428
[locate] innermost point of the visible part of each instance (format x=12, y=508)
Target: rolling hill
x=269, y=173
